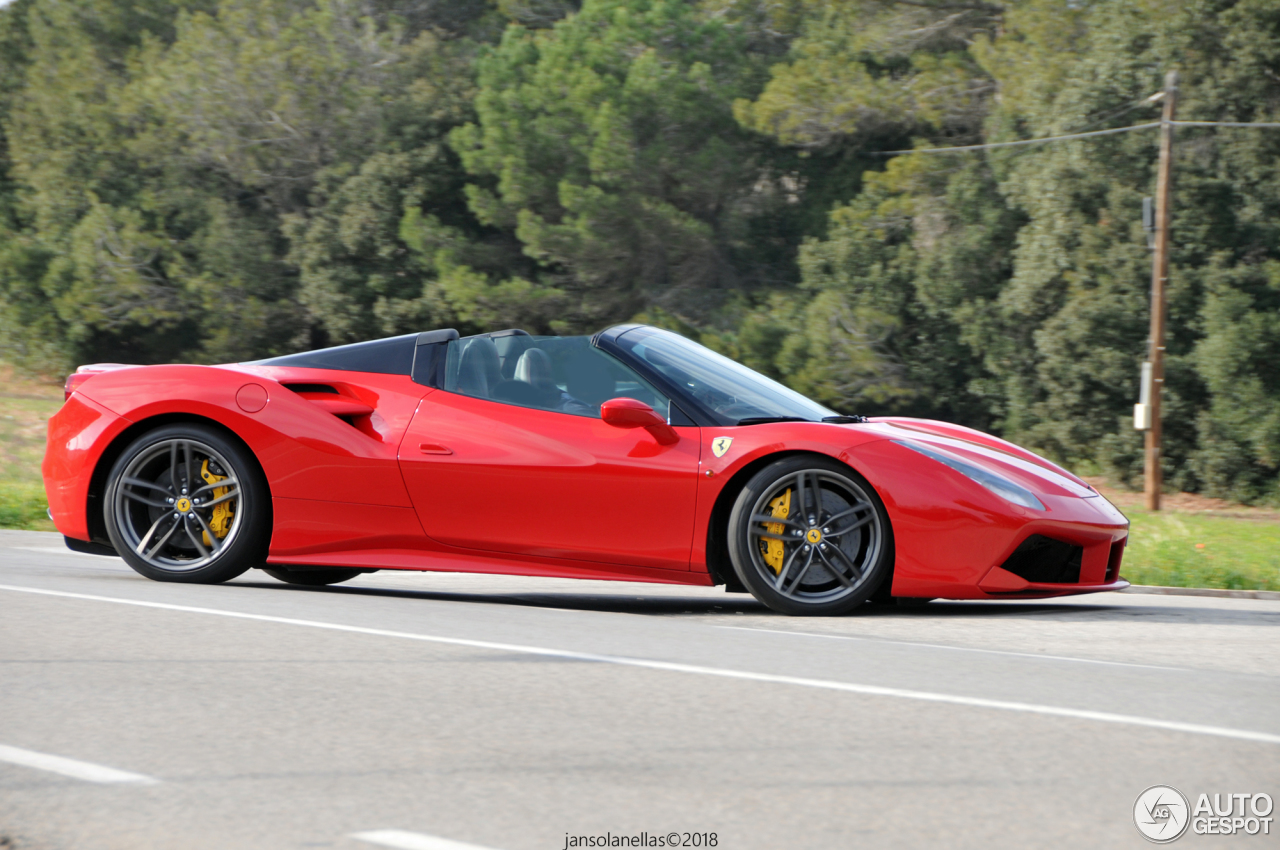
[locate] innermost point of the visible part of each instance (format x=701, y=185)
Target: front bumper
x=951, y=536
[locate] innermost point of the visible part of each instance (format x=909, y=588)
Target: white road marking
x=62, y=550
x=695, y=669
x=71, y=767
x=892, y=642
x=402, y=840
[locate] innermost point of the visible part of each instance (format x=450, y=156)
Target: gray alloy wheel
x=808, y=535
x=184, y=503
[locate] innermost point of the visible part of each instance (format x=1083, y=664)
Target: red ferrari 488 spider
x=634, y=454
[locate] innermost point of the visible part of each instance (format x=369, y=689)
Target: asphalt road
x=409, y=710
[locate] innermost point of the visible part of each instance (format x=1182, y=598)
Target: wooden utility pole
x=1153, y=478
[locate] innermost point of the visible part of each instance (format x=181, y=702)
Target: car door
x=511, y=456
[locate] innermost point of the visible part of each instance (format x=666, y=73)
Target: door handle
x=434, y=449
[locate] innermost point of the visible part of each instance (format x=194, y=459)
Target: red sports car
x=634, y=454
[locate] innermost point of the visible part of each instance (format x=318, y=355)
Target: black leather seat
x=532, y=383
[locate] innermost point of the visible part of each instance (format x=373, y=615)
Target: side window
x=561, y=374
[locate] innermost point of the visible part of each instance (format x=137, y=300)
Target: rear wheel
x=313, y=578
x=185, y=503
x=809, y=536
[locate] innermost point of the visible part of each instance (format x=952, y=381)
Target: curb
x=1273, y=595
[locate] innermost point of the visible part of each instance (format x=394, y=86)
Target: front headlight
x=996, y=483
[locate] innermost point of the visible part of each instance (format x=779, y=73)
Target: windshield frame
x=610, y=340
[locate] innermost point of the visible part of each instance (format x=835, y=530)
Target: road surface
x=414, y=709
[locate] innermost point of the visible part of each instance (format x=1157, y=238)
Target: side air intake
x=1043, y=560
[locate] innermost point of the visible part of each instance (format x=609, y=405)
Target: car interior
x=562, y=374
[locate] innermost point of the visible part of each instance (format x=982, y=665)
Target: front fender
x=721, y=478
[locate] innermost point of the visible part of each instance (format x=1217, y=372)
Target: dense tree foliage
x=215, y=180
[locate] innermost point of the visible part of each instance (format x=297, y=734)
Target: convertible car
x=634, y=454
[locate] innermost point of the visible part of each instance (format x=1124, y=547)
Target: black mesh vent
x=1113, y=563
x=312, y=388
x=1043, y=560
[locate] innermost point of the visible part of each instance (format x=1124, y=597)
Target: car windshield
x=725, y=387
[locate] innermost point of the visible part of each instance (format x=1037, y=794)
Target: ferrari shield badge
x=720, y=445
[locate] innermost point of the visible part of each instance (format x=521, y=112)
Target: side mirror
x=633, y=413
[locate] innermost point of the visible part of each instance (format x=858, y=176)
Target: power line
x=1112, y=131
x=991, y=145
x=1272, y=126
x=1097, y=120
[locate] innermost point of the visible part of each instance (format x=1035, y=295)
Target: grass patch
x=25, y=408
x=1195, y=550
x=24, y=506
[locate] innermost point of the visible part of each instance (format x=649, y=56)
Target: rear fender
x=98, y=484
x=79, y=435
x=305, y=451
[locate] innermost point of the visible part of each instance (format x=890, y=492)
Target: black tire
x=312, y=578
x=221, y=531
x=827, y=554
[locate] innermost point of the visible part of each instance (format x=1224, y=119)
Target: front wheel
x=185, y=503
x=809, y=536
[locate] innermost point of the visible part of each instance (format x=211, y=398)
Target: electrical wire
x=1113, y=131
x=1021, y=142
x=1095, y=120
x=1263, y=125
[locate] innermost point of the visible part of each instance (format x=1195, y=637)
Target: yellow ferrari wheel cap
x=720, y=445
x=813, y=536
x=182, y=505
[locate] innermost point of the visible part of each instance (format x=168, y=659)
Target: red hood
x=964, y=440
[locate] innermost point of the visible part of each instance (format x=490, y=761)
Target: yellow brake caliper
x=772, y=550
x=221, y=519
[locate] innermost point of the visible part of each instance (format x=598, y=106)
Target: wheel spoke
x=768, y=518
x=786, y=567
x=194, y=538
x=858, y=508
x=163, y=540
x=815, y=484
x=802, y=496
x=137, y=497
x=757, y=531
x=854, y=568
x=226, y=482
x=191, y=481
x=809, y=489
x=138, y=482
x=795, y=583
x=224, y=497
x=213, y=538
x=146, y=538
x=834, y=570
x=173, y=467
x=864, y=521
